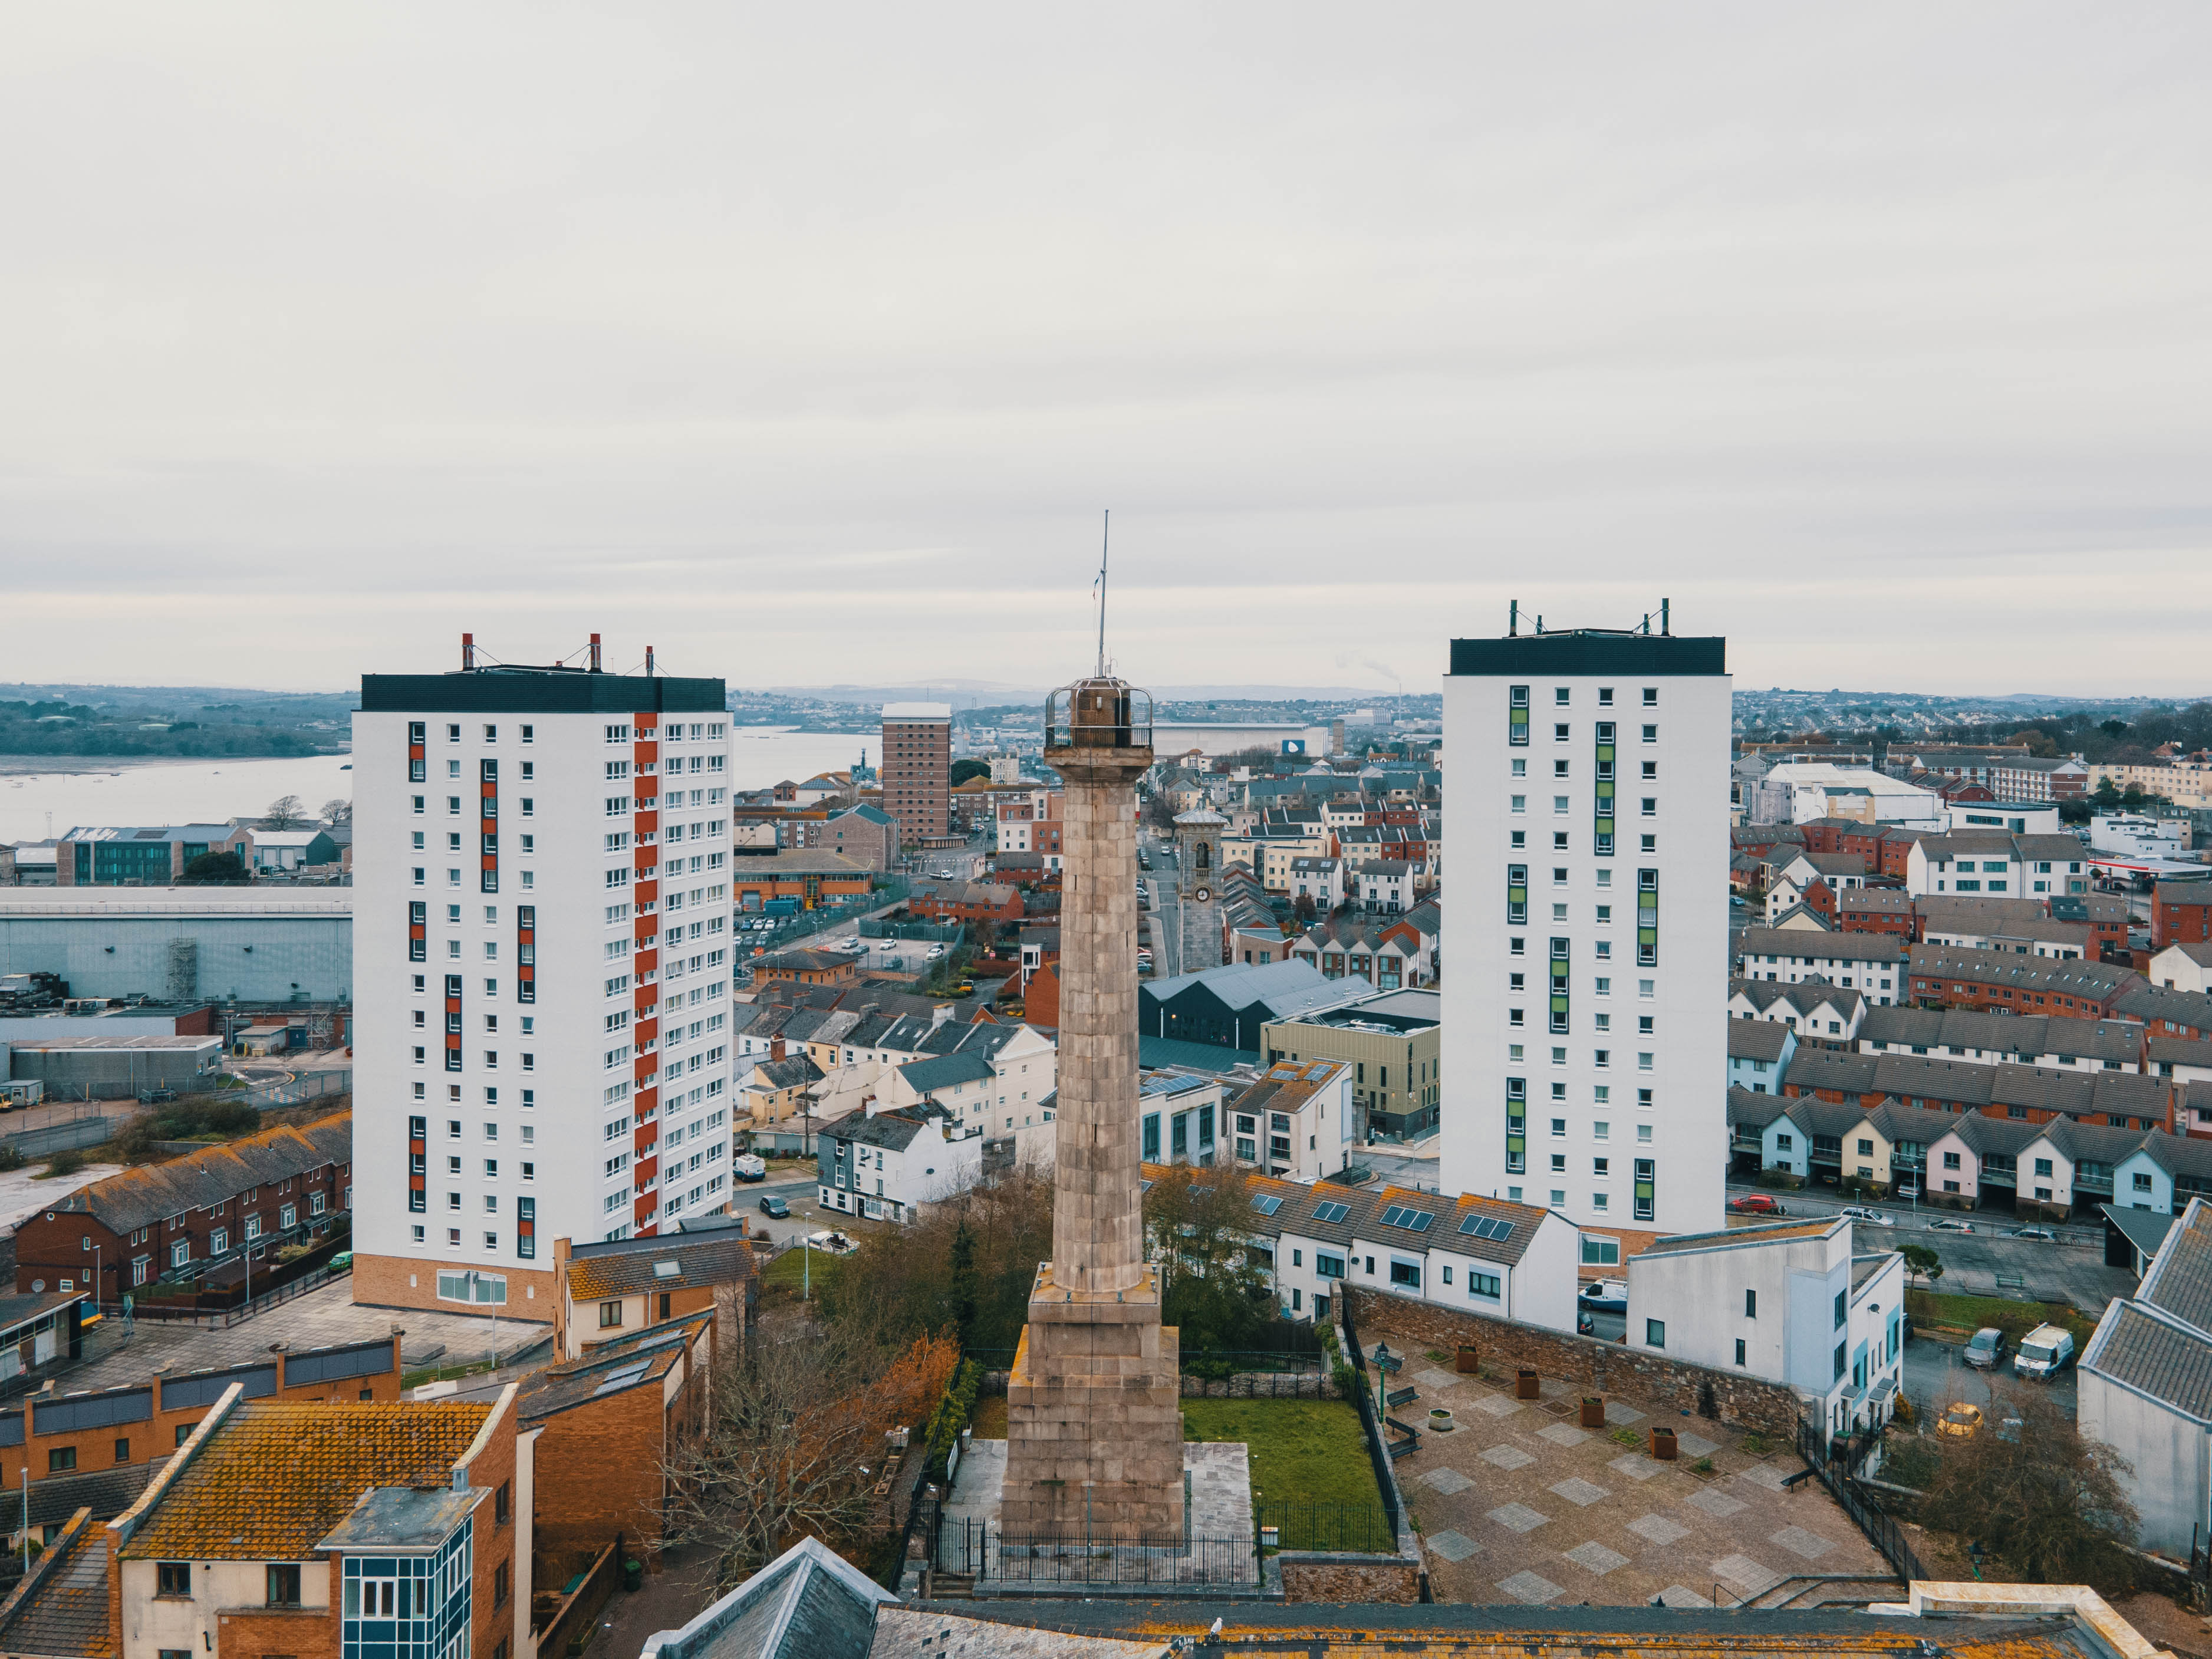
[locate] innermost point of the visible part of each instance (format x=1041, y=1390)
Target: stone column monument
x=1094, y=1430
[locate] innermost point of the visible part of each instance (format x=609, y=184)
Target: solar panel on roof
x=1267, y=1204
x=1415, y=1221
x=1331, y=1212
x=1475, y=1223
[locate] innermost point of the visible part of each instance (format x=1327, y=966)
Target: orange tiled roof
x=274, y=1478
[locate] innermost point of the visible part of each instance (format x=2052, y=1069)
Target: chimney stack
x=468, y=652
x=595, y=653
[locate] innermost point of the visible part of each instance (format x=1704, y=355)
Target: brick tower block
x=1094, y=1419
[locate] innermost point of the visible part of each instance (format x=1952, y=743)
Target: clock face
x=1202, y=895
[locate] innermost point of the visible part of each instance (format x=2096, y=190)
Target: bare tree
x=2040, y=1494
x=792, y=1441
x=338, y=809
x=283, y=813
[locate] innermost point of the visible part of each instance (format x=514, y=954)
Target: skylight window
x=667, y=1270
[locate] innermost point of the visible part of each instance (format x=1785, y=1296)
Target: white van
x=2042, y=1353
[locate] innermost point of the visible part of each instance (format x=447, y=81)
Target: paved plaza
x=1519, y=1504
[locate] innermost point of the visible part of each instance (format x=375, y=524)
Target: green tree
x=1198, y=1229
x=965, y=769
x=213, y=869
x=1922, y=1262
x=338, y=809
x=962, y=1291
x=284, y=813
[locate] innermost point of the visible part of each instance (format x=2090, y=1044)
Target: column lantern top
x=1099, y=712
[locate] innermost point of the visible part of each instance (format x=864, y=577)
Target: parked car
x=834, y=1243
x=749, y=1166
x=1604, y=1296
x=1950, y=1226
x=1757, y=1204
x=2044, y=1352
x=1961, y=1420
x=1984, y=1348
x=933, y=953
x=1860, y=1212
x=2045, y=1234
x=774, y=1207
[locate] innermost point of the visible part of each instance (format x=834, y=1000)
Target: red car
x=1756, y=1204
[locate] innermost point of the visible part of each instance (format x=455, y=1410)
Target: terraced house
x=2029, y=1094
x=1952, y=976
x=329, y=1529
x=181, y=1219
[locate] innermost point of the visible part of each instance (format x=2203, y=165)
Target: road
x=2072, y=1271
x=806, y=1215
x=1166, y=913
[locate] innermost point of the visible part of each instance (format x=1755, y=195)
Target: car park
x=1950, y=1226
x=1984, y=1348
x=1756, y=1204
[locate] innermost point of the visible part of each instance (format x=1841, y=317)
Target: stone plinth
x=1094, y=1416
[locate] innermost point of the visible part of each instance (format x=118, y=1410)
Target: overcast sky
x=805, y=344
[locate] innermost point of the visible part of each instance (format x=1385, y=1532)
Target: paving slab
x=1766, y=1475
x=1716, y=1502
x=1798, y=1541
x=1455, y=1547
x=1695, y=1445
x=1678, y=1595
x=1658, y=1529
x=1497, y=1405
x=1637, y=1467
x=1580, y=1492
x=1620, y=1416
x=1507, y=1457
x=1531, y=1588
x=1564, y=1434
x=1518, y=1517
x=1447, y=1482
x=1434, y=1381
x=1595, y=1557
x=1746, y=1576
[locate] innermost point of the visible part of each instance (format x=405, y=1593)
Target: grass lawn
x=783, y=1276
x=989, y=1422
x=1303, y=1452
x=2015, y=1319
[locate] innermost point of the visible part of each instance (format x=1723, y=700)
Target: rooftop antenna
x=1105, y=540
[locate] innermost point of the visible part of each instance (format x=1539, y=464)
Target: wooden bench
x=1398, y=1397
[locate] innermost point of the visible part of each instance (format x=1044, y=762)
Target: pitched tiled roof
x=1756, y=1110
x=199, y=1181
x=2136, y=1348
x=1791, y=943
x=2179, y=1283
x=1757, y=1039
x=60, y=1606
x=629, y=1266
x=274, y=1477
x=2046, y=974
x=943, y=1071
x=893, y=1129
x=639, y=1360
x=2152, y=1003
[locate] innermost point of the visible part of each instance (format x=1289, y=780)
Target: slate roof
x=2179, y=1283
x=2136, y=1348
x=1790, y=944
x=1757, y=1039
x=2095, y=980
x=2144, y=1229
x=808, y=1603
x=793, y=1071
x=199, y=1181
x=2152, y=1003
x=943, y=1071
x=1285, y=989
x=894, y=1130
x=273, y=1479
x=642, y=1360
x=1962, y=1031
x=1977, y=1083
x=60, y=1606
x=1756, y=1110
x=629, y=1267
x=106, y=1492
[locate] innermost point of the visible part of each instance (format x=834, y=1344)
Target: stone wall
x=1311, y=1576
x=1743, y=1403
x=1238, y=1385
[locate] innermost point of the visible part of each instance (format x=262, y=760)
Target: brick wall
x=598, y=1471
x=1318, y=1577
x=1743, y=1403
x=397, y=1281
x=296, y=1632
